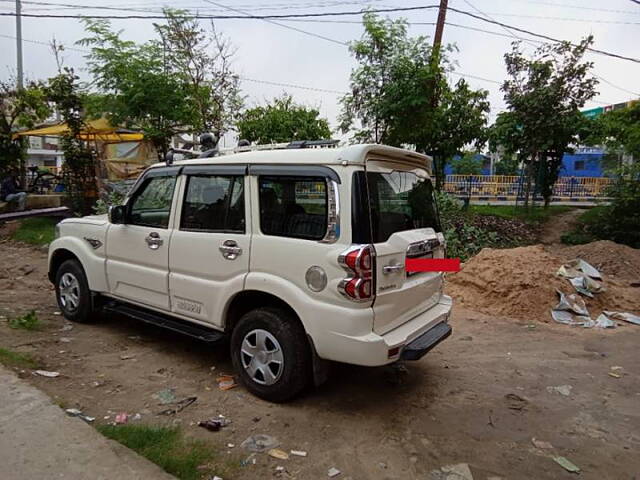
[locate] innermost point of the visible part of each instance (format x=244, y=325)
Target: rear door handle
x=153, y=240
x=387, y=269
x=230, y=249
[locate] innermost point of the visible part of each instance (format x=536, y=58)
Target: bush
x=467, y=233
x=620, y=220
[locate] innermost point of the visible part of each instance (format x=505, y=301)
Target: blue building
x=585, y=162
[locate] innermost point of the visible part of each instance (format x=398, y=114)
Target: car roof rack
x=281, y=146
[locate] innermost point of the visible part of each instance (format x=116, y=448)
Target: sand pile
x=521, y=283
x=610, y=258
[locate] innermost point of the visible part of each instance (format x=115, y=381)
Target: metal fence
x=514, y=186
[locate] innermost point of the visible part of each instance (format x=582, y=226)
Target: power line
x=539, y=35
x=291, y=85
x=332, y=14
x=289, y=27
x=227, y=17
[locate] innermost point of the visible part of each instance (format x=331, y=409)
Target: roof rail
x=281, y=146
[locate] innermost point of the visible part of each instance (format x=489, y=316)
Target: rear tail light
x=359, y=262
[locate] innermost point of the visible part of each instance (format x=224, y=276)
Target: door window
x=151, y=205
x=214, y=203
x=293, y=206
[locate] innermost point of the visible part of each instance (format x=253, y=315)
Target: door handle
x=153, y=240
x=387, y=269
x=230, y=249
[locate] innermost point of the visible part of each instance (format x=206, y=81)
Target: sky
x=268, y=53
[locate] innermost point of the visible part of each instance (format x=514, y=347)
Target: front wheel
x=72, y=292
x=270, y=352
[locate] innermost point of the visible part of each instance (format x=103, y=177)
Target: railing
x=514, y=186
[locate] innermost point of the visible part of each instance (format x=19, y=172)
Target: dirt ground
x=478, y=398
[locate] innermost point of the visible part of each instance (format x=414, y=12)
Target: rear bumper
x=415, y=337
x=425, y=342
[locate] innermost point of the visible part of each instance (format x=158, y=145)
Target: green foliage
x=79, y=168
x=35, y=231
x=467, y=233
x=507, y=165
x=18, y=109
x=393, y=92
x=544, y=95
x=180, y=82
x=530, y=215
x=166, y=447
x=467, y=164
x=28, y=321
x=282, y=120
x=113, y=198
x=15, y=359
x=618, y=130
x=620, y=220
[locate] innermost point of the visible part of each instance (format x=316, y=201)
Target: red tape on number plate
x=432, y=265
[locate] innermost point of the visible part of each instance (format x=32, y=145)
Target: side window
x=293, y=206
x=214, y=204
x=151, y=205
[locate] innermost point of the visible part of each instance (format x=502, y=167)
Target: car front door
x=138, y=249
x=209, y=251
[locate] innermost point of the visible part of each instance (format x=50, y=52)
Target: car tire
x=270, y=352
x=72, y=292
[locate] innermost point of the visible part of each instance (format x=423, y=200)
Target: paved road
x=39, y=441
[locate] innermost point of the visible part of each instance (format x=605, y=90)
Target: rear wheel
x=270, y=352
x=72, y=292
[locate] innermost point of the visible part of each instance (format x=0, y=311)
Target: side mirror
x=117, y=214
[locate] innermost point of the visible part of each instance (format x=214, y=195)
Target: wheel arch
x=92, y=262
x=248, y=300
x=58, y=257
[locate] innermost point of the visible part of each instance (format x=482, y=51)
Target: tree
x=466, y=164
x=202, y=59
x=22, y=108
x=79, y=168
x=618, y=130
x=282, y=120
x=181, y=82
x=544, y=95
x=392, y=95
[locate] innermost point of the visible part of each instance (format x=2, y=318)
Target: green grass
x=581, y=234
x=166, y=447
x=29, y=321
x=14, y=359
x=36, y=231
x=531, y=215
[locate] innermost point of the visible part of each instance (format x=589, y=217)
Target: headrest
x=212, y=193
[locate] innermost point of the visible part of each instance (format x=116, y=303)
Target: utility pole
x=437, y=39
x=19, y=43
x=438, y=163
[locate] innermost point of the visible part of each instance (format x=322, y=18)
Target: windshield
x=398, y=201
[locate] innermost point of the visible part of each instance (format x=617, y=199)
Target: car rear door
x=403, y=223
x=210, y=246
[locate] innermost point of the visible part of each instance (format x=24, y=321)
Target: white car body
x=186, y=274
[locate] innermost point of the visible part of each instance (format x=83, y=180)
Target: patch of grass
x=29, y=321
x=582, y=232
x=530, y=215
x=15, y=359
x=36, y=231
x=166, y=447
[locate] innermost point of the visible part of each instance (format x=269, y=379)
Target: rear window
x=293, y=207
x=386, y=203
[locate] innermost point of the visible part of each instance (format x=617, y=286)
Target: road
x=479, y=398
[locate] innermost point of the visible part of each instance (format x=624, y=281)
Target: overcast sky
x=271, y=53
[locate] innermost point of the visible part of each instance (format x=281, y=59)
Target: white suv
x=297, y=255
